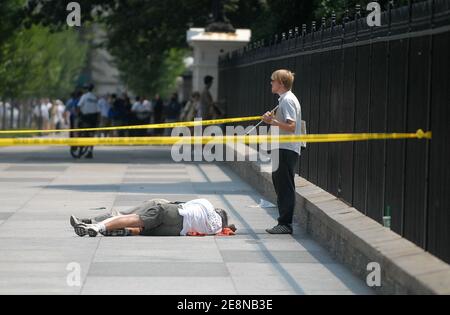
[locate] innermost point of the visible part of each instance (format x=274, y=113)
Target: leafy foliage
x=147, y=38
x=40, y=63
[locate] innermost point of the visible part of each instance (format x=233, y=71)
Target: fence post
x=296, y=35
x=313, y=30
x=427, y=145
x=303, y=36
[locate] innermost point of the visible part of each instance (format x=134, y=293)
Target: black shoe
x=80, y=230
x=74, y=221
x=85, y=229
x=92, y=230
x=90, y=155
x=280, y=229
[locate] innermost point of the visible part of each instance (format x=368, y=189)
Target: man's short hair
x=285, y=77
x=223, y=215
x=90, y=87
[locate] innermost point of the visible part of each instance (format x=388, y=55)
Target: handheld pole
x=273, y=111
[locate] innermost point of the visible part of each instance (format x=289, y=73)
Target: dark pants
x=88, y=121
x=160, y=217
x=283, y=182
x=141, y=121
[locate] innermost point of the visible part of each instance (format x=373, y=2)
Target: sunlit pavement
x=41, y=187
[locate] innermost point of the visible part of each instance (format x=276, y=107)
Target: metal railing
x=354, y=78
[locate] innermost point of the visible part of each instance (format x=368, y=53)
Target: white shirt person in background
x=89, y=115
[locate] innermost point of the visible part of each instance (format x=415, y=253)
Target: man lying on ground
x=159, y=217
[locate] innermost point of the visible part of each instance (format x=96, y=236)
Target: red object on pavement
x=224, y=232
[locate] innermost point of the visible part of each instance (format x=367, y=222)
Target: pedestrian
x=89, y=115
x=288, y=119
x=141, y=113
x=191, y=108
x=104, y=106
x=72, y=110
x=59, y=119
x=117, y=113
x=158, y=107
x=172, y=111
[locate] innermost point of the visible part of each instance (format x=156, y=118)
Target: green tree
x=38, y=62
x=11, y=14
x=141, y=34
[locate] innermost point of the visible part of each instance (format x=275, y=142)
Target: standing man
x=172, y=111
x=89, y=114
x=72, y=110
x=158, y=107
x=288, y=119
x=141, y=112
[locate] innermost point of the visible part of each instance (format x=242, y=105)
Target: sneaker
x=280, y=229
x=117, y=233
x=74, y=221
x=92, y=230
x=80, y=230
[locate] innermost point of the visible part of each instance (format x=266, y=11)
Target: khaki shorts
x=160, y=218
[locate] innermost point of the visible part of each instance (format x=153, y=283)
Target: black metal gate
x=353, y=78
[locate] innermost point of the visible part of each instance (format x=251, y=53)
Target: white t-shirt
x=104, y=107
x=42, y=111
x=199, y=216
x=88, y=104
x=59, y=115
x=289, y=110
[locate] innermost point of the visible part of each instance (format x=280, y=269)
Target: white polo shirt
x=289, y=109
x=88, y=104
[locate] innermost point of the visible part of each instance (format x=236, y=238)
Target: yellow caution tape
x=151, y=126
x=420, y=134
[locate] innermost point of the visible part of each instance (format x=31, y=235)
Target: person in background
x=172, y=111
x=128, y=117
x=42, y=115
x=141, y=112
x=89, y=114
x=158, y=107
x=192, y=108
x=149, y=104
x=59, y=118
x=117, y=113
x=50, y=122
x=72, y=110
x=104, y=106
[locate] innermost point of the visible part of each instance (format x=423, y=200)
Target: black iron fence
x=353, y=78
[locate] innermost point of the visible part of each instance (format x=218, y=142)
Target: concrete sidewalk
x=41, y=187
